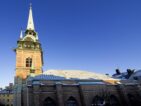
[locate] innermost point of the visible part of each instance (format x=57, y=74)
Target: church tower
x=29, y=56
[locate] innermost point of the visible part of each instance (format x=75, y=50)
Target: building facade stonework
x=64, y=88
x=6, y=96
x=48, y=92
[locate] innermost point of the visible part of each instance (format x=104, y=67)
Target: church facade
x=33, y=87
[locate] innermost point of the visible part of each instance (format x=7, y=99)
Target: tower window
x=28, y=62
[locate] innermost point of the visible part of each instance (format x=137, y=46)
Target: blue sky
x=92, y=35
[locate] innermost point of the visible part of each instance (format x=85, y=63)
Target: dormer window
x=28, y=62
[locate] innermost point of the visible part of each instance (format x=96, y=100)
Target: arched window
x=71, y=102
x=49, y=102
x=98, y=101
x=28, y=62
x=114, y=101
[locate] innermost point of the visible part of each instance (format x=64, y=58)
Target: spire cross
x=30, y=5
x=21, y=34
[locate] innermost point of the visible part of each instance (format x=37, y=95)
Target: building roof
x=121, y=76
x=70, y=75
x=6, y=91
x=136, y=74
x=125, y=75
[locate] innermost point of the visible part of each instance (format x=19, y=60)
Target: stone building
x=7, y=96
x=33, y=87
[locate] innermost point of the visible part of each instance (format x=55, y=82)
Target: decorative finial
x=30, y=5
x=37, y=37
x=21, y=34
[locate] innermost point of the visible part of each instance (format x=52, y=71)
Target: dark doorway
x=49, y=102
x=71, y=102
x=98, y=101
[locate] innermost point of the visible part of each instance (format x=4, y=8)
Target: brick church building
x=33, y=87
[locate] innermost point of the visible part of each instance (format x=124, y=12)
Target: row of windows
x=29, y=46
x=97, y=101
x=5, y=95
x=70, y=102
x=6, y=100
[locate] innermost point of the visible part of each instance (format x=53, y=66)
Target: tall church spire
x=29, y=58
x=30, y=24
